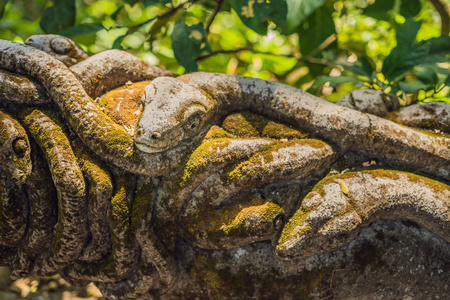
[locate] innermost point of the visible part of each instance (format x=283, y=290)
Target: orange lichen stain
x=122, y=103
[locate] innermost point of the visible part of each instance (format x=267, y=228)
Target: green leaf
x=368, y=65
x=410, y=8
x=159, y=23
x=83, y=29
x=435, y=58
x=334, y=81
x=148, y=3
x=298, y=11
x=257, y=13
x=364, y=67
x=116, y=13
x=443, y=71
x=3, y=7
x=315, y=30
x=426, y=74
x=131, y=2
x=379, y=10
x=412, y=86
x=447, y=81
x=440, y=45
x=188, y=43
x=58, y=17
x=407, y=32
x=118, y=42
x=403, y=58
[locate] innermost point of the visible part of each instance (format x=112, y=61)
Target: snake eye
x=20, y=147
x=192, y=123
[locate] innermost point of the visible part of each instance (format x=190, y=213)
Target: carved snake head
x=14, y=149
x=60, y=47
x=172, y=111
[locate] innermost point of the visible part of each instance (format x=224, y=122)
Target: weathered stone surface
x=391, y=259
x=138, y=220
x=432, y=115
x=370, y=101
x=336, y=208
x=60, y=47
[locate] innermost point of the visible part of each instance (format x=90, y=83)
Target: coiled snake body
x=203, y=168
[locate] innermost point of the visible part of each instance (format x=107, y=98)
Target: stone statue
x=154, y=185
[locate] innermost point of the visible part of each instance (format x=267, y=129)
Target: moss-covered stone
x=246, y=125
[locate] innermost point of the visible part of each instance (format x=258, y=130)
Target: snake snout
x=152, y=135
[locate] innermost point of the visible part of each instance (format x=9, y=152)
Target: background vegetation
x=327, y=47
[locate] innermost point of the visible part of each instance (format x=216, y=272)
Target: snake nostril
x=139, y=132
x=155, y=135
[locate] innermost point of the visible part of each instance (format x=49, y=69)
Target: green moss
x=246, y=125
x=203, y=156
x=120, y=212
x=110, y=139
x=264, y=156
x=238, y=125
x=302, y=213
x=262, y=214
x=436, y=186
x=215, y=132
x=52, y=136
x=297, y=220
x=93, y=169
x=142, y=204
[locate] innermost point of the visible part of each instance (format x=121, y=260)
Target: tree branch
x=166, y=14
x=307, y=59
x=443, y=11
x=213, y=16
x=328, y=41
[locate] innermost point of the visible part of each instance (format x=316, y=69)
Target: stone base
x=391, y=259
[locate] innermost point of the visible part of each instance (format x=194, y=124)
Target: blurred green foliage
x=327, y=47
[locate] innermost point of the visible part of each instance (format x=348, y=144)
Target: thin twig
x=328, y=41
x=224, y=52
x=213, y=16
x=166, y=14
x=306, y=59
x=443, y=11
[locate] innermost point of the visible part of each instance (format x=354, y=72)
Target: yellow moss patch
x=215, y=132
x=264, y=156
x=255, y=216
x=239, y=126
x=204, y=155
x=297, y=220
x=246, y=216
x=120, y=212
x=246, y=124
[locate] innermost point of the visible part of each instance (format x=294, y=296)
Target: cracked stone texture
x=391, y=259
